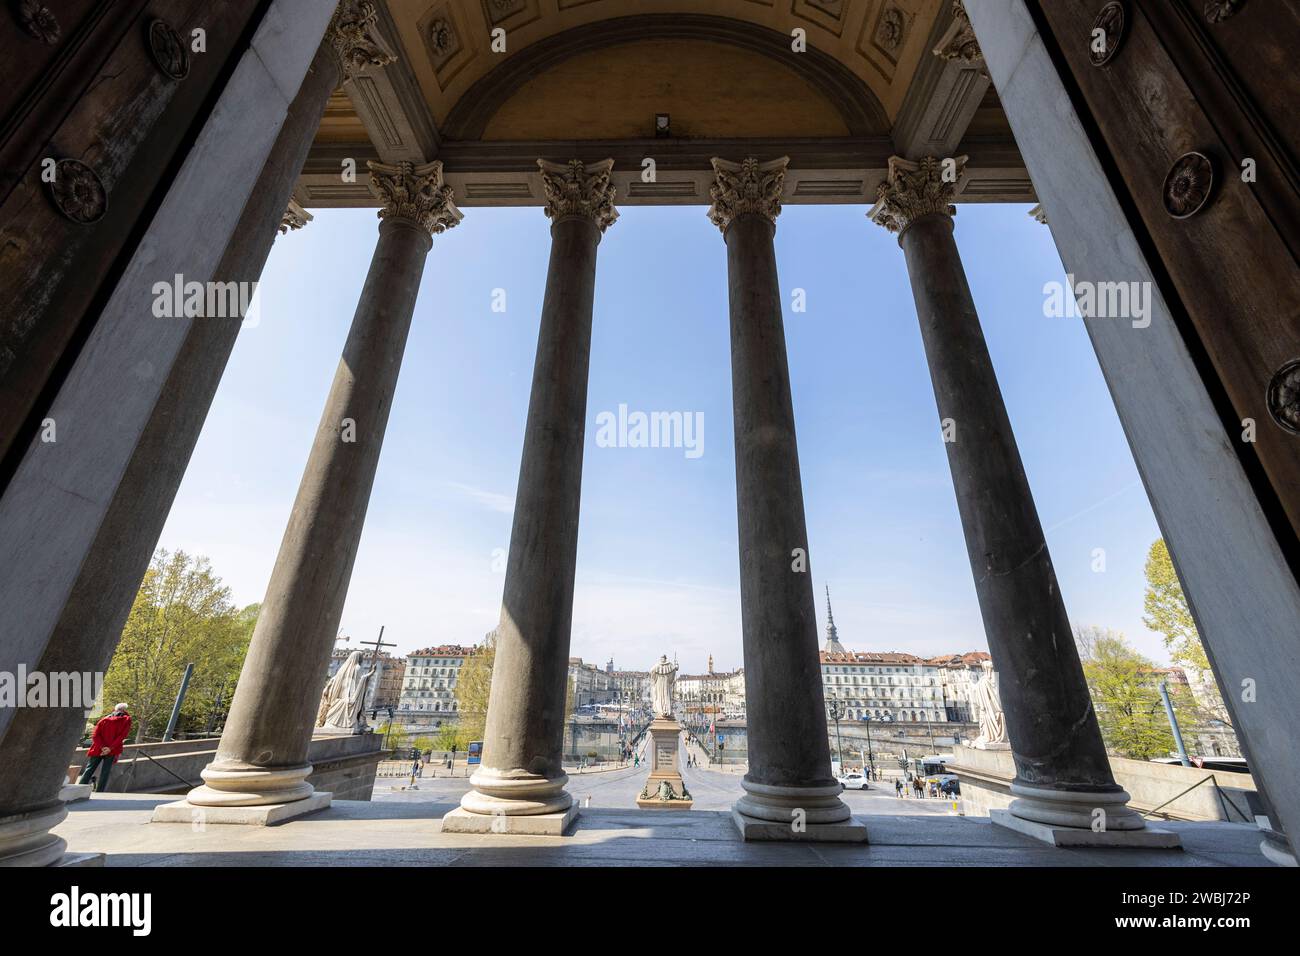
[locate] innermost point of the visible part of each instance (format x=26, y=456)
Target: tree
x=1168, y=614
x=1125, y=694
x=473, y=689
x=181, y=614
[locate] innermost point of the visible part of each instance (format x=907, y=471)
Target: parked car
x=854, y=781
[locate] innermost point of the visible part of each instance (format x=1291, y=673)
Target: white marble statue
x=993, y=723
x=344, y=697
x=662, y=676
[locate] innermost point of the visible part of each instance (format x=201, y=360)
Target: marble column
x=789, y=791
x=1065, y=792
x=84, y=627
x=262, y=759
x=520, y=786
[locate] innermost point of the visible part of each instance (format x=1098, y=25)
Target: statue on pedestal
x=664, y=789
x=344, y=698
x=993, y=723
x=662, y=676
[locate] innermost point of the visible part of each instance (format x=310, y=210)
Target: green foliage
x=1168, y=614
x=181, y=614
x=1125, y=694
x=473, y=688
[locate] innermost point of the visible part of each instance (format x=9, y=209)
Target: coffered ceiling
x=487, y=86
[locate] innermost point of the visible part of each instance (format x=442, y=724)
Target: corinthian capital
x=746, y=187
x=416, y=193
x=958, y=42
x=355, y=38
x=581, y=189
x=918, y=189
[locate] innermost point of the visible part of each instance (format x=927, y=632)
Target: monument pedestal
x=664, y=789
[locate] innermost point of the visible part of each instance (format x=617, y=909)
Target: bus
x=932, y=768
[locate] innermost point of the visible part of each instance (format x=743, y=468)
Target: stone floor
x=402, y=828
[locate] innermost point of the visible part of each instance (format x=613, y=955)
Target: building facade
x=429, y=684
x=592, y=684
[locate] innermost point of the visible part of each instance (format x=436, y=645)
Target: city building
x=632, y=686
x=429, y=686
x=895, y=686
x=713, y=692
x=592, y=684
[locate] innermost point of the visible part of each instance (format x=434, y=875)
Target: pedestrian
x=898, y=788
x=106, y=746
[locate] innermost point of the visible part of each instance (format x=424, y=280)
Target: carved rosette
x=415, y=193
x=746, y=187
x=1284, y=396
x=916, y=189
x=354, y=36
x=1216, y=11
x=958, y=42
x=39, y=21
x=581, y=189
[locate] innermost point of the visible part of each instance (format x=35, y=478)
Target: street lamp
x=837, y=711
x=871, y=757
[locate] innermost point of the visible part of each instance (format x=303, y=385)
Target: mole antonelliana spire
x=833, y=645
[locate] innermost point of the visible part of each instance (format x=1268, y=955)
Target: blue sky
x=657, y=554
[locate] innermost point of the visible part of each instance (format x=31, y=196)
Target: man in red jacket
x=106, y=746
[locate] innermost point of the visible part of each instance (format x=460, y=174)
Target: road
x=618, y=789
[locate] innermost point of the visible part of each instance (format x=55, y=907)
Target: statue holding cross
x=343, y=700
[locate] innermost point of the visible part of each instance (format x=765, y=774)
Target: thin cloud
x=504, y=504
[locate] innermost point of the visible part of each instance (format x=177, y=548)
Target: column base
x=1147, y=838
x=1276, y=851
x=72, y=792
x=461, y=820
x=753, y=830
x=1074, y=809
x=515, y=793
x=817, y=814
x=26, y=840
x=251, y=786
x=249, y=815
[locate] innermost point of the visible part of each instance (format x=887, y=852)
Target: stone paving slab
x=397, y=833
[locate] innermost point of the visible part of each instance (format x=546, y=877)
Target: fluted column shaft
x=262, y=758
x=789, y=757
x=521, y=774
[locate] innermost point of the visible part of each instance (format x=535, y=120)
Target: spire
x=833, y=645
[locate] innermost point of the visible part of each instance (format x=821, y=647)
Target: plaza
x=422, y=111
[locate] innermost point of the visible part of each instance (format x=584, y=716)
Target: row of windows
x=905, y=681
x=908, y=715
x=852, y=669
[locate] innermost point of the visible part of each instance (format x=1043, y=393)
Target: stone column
x=520, y=786
x=125, y=499
x=262, y=759
x=1064, y=788
x=789, y=791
